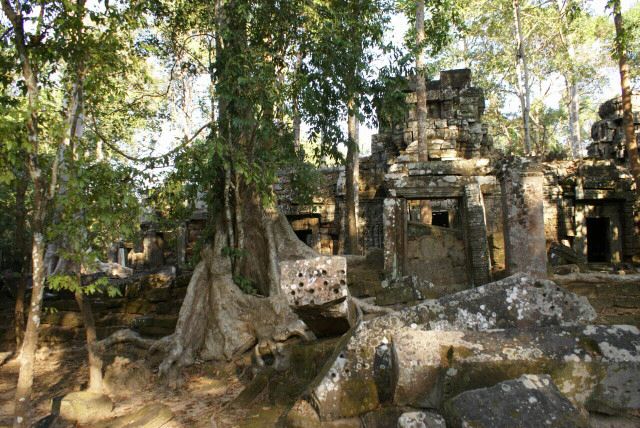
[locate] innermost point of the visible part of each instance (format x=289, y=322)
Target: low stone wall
x=149, y=304
x=616, y=298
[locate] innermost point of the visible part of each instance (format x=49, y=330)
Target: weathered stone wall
x=577, y=192
x=148, y=304
x=437, y=254
x=454, y=127
x=523, y=214
x=608, y=134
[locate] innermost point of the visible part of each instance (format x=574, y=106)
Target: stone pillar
x=152, y=247
x=122, y=256
x=395, y=236
x=523, y=214
x=112, y=253
x=475, y=235
x=181, y=244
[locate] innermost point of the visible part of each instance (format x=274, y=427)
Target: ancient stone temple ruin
x=455, y=214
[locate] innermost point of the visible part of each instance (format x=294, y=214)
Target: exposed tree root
x=369, y=308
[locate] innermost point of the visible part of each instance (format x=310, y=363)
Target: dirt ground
x=200, y=402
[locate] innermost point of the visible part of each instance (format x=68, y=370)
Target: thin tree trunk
x=297, y=121
x=30, y=344
x=574, y=117
x=625, y=84
x=21, y=250
x=572, y=88
x=352, y=184
x=523, y=77
x=95, y=362
x=421, y=86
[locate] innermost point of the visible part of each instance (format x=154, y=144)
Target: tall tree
x=421, y=84
x=42, y=195
x=352, y=171
x=565, y=11
x=620, y=50
x=524, y=88
x=259, y=85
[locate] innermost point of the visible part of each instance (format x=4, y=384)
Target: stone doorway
x=598, y=249
x=306, y=236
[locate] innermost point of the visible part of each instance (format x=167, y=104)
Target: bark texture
x=352, y=186
x=625, y=84
x=30, y=344
x=523, y=76
x=21, y=250
x=217, y=320
x=421, y=85
x=95, y=362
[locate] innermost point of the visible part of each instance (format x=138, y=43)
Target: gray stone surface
x=531, y=401
x=366, y=372
x=523, y=215
x=421, y=419
x=317, y=291
x=594, y=366
x=403, y=290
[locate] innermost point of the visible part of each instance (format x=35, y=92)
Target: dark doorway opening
x=440, y=218
x=304, y=235
x=598, y=240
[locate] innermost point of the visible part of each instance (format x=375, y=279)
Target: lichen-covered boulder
x=517, y=301
x=531, y=401
x=422, y=419
x=594, y=366
x=405, y=289
x=316, y=290
x=366, y=372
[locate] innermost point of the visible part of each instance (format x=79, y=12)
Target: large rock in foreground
x=379, y=363
x=531, y=401
x=594, y=366
x=317, y=291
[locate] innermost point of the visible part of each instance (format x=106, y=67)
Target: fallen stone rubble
x=521, y=331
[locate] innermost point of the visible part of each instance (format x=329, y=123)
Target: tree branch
x=113, y=147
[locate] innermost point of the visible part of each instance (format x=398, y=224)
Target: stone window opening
x=440, y=218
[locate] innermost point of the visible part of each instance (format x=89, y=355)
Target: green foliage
x=245, y=284
x=564, y=42
x=72, y=284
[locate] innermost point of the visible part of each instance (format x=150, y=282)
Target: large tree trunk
x=21, y=250
x=523, y=77
x=421, y=85
x=217, y=320
x=352, y=186
x=625, y=84
x=95, y=362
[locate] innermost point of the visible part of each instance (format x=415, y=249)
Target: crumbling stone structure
x=607, y=133
x=464, y=216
